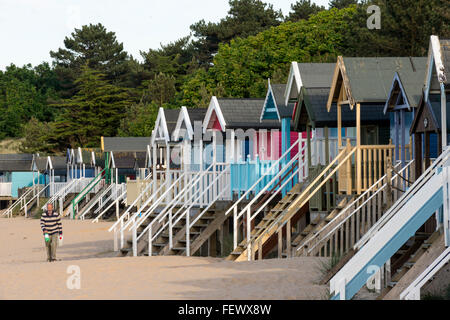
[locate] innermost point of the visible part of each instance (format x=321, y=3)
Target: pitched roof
x=129, y=160
x=433, y=105
x=316, y=75
x=284, y=110
x=408, y=87
x=125, y=144
x=124, y=160
x=313, y=106
x=41, y=163
x=171, y=119
x=307, y=74
x=16, y=162
x=58, y=163
x=187, y=118
x=244, y=113
x=368, y=80
x=196, y=114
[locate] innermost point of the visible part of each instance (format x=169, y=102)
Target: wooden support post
x=403, y=137
x=327, y=161
x=339, y=121
x=349, y=169
x=427, y=150
x=397, y=135
x=308, y=144
x=260, y=250
x=358, y=151
x=389, y=182
x=221, y=238
x=280, y=243
x=418, y=155
x=288, y=238
x=213, y=245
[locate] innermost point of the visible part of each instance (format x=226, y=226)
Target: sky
x=29, y=29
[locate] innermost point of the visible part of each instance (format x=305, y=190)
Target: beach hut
x=234, y=134
x=126, y=156
x=15, y=173
x=361, y=85
x=402, y=102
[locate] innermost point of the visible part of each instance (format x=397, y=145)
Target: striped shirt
x=51, y=224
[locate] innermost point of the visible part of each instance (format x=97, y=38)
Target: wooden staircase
x=211, y=221
x=318, y=224
x=87, y=204
x=142, y=245
x=240, y=252
x=203, y=229
x=407, y=257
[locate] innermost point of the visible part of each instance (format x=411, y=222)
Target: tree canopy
x=94, y=87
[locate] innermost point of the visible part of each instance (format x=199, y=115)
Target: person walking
x=52, y=228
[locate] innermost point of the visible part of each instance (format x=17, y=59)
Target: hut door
x=369, y=135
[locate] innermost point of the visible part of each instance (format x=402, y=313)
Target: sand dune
x=25, y=274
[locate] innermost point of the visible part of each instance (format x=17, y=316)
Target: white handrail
x=18, y=202
x=200, y=195
x=274, y=179
x=114, y=193
x=349, y=206
x=133, y=204
x=413, y=290
x=272, y=167
x=171, y=223
x=326, y=178
x=401, y=213
x=154, y=205
x=93, y=203
x=121, y=196
x=422, y=180
x=174, y=201
x=60, y=193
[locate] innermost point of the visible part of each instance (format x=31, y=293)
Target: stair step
x=162, y=245
x=392, y=284
x=200, y=226
x=179, y=249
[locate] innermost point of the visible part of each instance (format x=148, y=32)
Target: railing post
x=235, y=231
x=389, y=182
x=188, y=235
x=150, y=242
x=349, y=168
x=121, y=234
x=135, y=253
x=116, y=244
x=249, y=230
x=170, y=230
x=446, y=206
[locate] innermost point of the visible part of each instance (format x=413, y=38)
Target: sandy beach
x=26, y=275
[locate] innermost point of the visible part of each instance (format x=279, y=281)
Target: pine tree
x=302, y=9
x=340, y=4
x=95, y=46
x=95, y=111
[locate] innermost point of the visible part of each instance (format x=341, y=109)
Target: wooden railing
x=346, y=229
x=367, y=166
